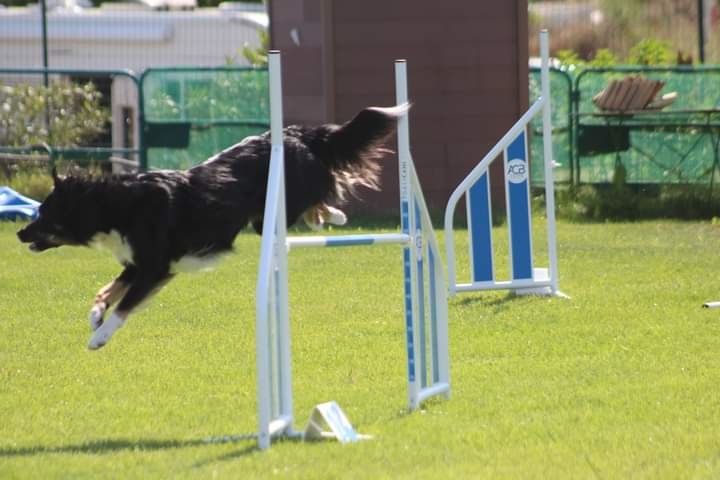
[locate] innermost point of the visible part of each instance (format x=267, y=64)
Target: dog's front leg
x=143, y=285
x=109, y=294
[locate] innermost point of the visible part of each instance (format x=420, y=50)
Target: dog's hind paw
x=97, y=312
x=336, y=216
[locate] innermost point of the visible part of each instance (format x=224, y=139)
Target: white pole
x=284, y=387
x=548, y=154
x=407, y=220
x=273, y=257
x=276, y=107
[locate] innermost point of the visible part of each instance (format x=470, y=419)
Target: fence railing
x=678, y=144
x=561, y=93
x=191, y=113
x=181, y=116
x=163, y=118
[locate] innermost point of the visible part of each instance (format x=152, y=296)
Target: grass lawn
x=623, y=380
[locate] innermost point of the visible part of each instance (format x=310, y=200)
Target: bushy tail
x=357, y=145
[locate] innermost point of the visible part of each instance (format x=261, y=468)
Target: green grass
x=623, y=380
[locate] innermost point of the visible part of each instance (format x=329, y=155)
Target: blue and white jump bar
x=524, y=276
x=425, y=296
x=348, y=240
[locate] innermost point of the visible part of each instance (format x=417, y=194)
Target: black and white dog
x=164, y=222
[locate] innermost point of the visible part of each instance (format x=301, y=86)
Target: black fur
x=166, y=215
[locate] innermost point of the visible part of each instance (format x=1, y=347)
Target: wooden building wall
x=467, y=69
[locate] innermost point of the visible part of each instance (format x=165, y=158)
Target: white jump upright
x=421, y=259
x=272, y=343
x=425, y=297
x=525, y=277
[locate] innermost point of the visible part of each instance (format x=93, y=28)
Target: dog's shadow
x=106, y=446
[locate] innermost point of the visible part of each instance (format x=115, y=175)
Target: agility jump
x=425, y=295
x=525, y=277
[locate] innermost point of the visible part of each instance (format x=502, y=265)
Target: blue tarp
x=14, y=206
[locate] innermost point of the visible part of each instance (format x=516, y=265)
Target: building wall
x=467, y=69
x=103, y=39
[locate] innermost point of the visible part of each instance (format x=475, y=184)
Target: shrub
x=651, y=52
x=35, y=183
x=73, y=111
x=610, y=202
x=604, y=57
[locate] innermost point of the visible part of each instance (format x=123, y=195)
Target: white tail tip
x=396, y=111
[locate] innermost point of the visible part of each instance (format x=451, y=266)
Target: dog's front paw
x=105, y=332
x=97, y=312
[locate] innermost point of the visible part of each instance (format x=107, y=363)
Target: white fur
x=314, y=226
x=115, y=243
x=336, y=217
x=96, y=315
x=395, y=111
x=244, y=141
x=103, y=334
x=195, y=263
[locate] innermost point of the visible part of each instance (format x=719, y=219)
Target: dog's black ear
x=55, y=177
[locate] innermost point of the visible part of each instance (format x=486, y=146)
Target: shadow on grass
x=241, y=453
x=428, y=404
x=100, y=447
x=494, y=302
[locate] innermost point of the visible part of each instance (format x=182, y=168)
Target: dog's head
x=62, y=216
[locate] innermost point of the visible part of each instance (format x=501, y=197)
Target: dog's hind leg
x=143, y=286
x=321, y=213
x=109, y=294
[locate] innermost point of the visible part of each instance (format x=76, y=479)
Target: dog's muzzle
x=38, y=242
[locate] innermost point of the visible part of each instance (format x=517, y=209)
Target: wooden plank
x=636, y=103
x=601, y=99
x=631, y=87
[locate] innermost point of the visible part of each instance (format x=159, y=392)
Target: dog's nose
x=23, y=235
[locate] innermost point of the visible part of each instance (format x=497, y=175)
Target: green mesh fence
x=192, y=113
x=678, y=144
x=561, y=98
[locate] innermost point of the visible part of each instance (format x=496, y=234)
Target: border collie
x=163, y=222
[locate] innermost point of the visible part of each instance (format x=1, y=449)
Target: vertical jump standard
x=425, y=295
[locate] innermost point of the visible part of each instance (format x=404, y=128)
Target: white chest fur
x=116, y=244
x=121, y=249
x=195, y=263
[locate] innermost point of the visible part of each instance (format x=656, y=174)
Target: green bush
x=651, y=51
x=258, y=56
x=35, y=183
x=73, y=111
x=648, y=51
x=604, y=57
x=619, y=202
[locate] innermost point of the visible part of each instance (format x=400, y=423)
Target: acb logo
x=517, y=171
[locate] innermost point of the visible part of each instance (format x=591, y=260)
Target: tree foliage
x=257, y=57
x=64, y=114
x=648, y=51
